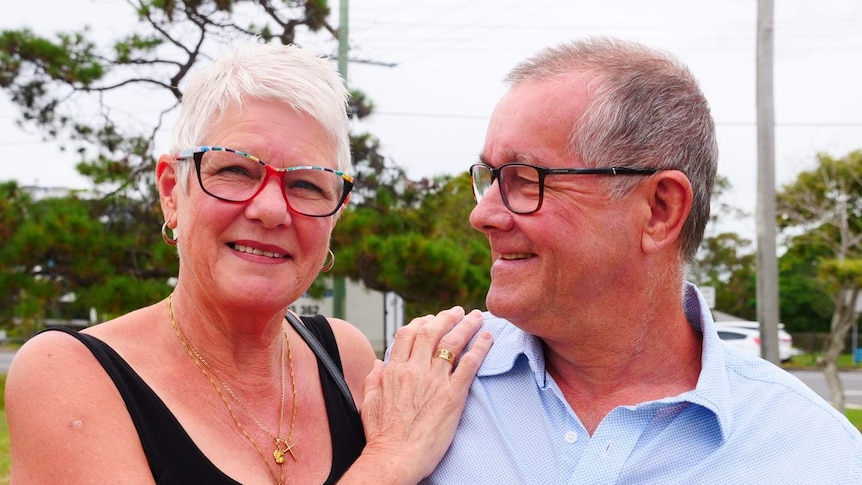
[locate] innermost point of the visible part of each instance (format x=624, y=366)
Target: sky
x=434, y=71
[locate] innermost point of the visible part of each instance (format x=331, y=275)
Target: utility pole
x=343, y=49
x=767, y=260
x=339, y=284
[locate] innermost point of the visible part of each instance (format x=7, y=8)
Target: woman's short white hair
x=254, y=70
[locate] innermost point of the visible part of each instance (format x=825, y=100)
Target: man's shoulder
x=767, y=396
x=752, y=374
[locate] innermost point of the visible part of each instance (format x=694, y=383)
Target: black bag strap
x=324, y=357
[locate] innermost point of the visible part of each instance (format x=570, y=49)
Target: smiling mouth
x=516, y=256
x=257, y=252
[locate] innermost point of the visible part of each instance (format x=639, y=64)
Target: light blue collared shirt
x=746, y=422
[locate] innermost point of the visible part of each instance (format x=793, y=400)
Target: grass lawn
x=5, y=459
x=855, y=417
x=845, y=361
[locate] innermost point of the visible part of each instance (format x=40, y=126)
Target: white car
x=746, y=336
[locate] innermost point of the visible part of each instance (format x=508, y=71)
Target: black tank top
x=173, y=456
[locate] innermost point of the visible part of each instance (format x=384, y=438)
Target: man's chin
x=501, y=302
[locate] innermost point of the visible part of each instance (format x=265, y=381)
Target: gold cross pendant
x=281, y=447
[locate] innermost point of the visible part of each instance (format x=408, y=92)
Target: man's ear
x=166, y=181
x=670, y=198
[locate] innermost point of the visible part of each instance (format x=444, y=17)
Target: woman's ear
x=166, y=181
x=670, y=199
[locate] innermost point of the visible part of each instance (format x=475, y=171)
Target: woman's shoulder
x=50, y=354
x=68, y=360
x=57, y=392
x=63, y=367
x=357, y=355
x=350, y=339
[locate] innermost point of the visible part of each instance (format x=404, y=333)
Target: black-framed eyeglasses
x=236, y=176
x=522, y=186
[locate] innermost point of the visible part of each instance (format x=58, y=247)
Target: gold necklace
x=282, y=445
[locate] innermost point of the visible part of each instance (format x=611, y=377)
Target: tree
x=75, y=245
x=823, y=209
x=805, y=301
x=724, y=259
x=425, y=250
x=52, y=79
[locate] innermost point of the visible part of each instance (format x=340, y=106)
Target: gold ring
x=446, y=355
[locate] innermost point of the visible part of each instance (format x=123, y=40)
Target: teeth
x=257, y=252
x=514, y=256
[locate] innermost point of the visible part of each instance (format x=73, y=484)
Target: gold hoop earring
x=329, y=262
x=169, y=240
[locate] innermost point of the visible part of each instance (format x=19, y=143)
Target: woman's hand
x=413, y=403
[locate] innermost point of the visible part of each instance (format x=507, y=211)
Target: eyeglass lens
x=520, y=185
x=232, y=177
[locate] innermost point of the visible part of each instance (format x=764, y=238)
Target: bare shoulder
x=357, y=355
x=58, y=397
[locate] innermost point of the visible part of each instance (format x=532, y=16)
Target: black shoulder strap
x=324, y=357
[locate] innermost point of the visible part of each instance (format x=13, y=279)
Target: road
x=812, y=378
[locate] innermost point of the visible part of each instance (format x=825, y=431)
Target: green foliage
x=841, y=272
x=855, y=417
x=5, y=449
x=96, y=249
x=38, y=73
x=822, y=209
x=810, y=270
x=725, y=261
x=825, y=198
x=738, y=296
x=70, y=60
x=805, y=301
x=422, y=248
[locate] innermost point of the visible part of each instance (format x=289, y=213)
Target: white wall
x=376, y=314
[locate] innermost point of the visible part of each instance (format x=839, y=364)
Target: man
x=593, y=190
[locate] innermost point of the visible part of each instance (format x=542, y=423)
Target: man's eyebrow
x=511, y=156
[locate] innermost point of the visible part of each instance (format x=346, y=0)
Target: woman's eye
x=236, y=170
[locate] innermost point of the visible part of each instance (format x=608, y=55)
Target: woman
x=213, y=384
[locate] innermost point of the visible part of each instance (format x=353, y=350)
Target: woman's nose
x=270, y=205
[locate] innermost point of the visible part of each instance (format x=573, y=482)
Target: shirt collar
x=510, y=342
x=713, y=388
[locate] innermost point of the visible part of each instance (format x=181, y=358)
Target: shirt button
x=570, y=437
